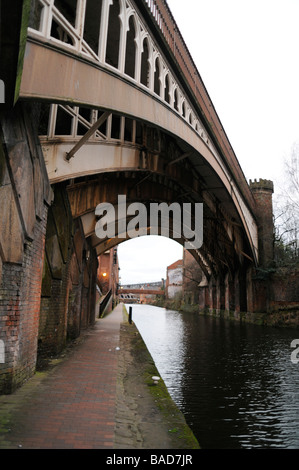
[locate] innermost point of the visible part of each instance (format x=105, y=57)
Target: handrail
x=104, y=303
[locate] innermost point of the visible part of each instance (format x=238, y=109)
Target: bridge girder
x=142, y=291
x=223, y=248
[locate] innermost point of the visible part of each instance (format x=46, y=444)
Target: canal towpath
x=98, y=394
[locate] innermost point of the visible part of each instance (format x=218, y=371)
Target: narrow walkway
x=98, y=394
x=73, y=405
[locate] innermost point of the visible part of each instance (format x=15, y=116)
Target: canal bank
x=286, y=317
x=98, y=394
x=146, y=415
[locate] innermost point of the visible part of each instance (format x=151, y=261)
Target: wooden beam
x=182, y=157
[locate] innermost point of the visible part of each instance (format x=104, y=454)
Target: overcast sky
x=246, y=52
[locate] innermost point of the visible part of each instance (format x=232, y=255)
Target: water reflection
x=235, y=383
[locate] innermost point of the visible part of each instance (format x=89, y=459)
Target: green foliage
x=286, y=254
x=263, y=274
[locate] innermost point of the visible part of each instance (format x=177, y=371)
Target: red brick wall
x=69, y=280
x=285, y=288
x=23, y=226
x=47, y=269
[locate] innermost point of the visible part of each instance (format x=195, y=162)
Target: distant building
x=108, y=272
x=174, y=280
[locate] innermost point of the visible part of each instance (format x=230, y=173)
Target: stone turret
x=262, y=191
x=261, y=185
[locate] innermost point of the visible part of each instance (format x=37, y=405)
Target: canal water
x=235, y=383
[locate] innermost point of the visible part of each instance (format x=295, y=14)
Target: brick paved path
x=74, y=405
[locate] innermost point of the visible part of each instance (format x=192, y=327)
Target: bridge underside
x=223, y=247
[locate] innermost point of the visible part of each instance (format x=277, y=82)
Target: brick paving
x=73, y=406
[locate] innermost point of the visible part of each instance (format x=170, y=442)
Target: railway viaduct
x=102, y=98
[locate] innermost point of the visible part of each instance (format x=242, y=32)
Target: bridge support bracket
x=86, y=136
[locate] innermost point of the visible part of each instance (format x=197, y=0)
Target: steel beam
x=87, y=136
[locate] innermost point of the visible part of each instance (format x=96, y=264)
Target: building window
x=157, y=77
x=35, y=19
x=176, y=100
x=92, y=24
x=64, y=122
x=145, y=67
x=113, y=36
x=115, y=127
x=68, y=8
x=131, y=49
x=167, y=89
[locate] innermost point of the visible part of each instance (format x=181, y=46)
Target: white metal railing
x=71, y=38
x=49, y=13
